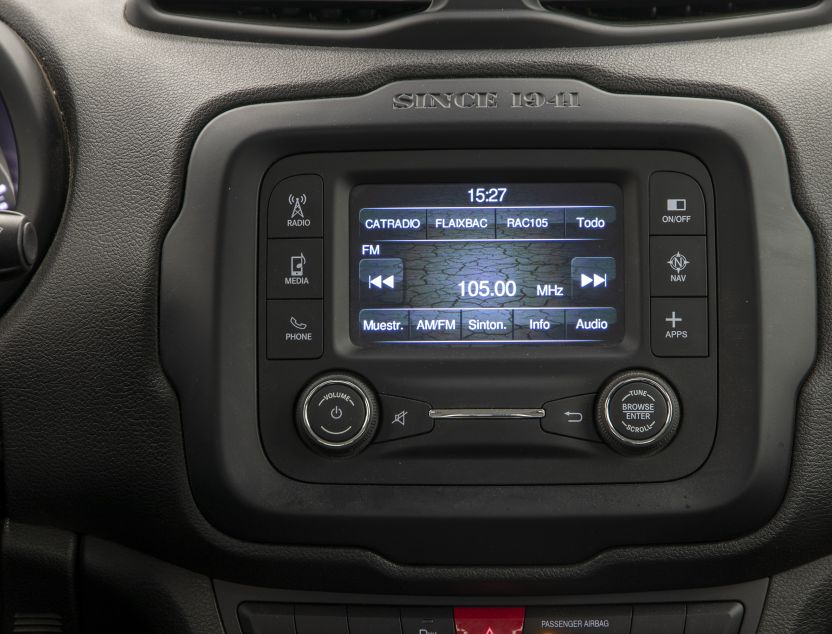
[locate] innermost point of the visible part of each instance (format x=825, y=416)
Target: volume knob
x=337, y=414
x=638, y=412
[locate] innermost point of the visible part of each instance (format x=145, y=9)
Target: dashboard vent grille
x=308, y=13
x=670, y=10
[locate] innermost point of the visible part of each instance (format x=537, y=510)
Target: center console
x=511, y=321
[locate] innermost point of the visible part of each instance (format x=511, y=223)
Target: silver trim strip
x=463, y=413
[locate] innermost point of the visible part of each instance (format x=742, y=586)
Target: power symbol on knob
x=336, y=412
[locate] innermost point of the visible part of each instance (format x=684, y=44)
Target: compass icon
x=678, y=262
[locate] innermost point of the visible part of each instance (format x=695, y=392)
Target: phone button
x=295, y=328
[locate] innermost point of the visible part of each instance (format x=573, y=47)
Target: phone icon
x=299, y=325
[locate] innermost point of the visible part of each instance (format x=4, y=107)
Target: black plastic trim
x=208, y=333
x=461, y=24
x=751, y=594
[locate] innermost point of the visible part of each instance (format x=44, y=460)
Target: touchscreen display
x=473, y=263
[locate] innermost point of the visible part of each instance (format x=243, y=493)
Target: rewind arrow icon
x=378, y=281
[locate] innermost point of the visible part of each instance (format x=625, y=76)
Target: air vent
x=308, y=13
x=670, y=10
x=474, y=24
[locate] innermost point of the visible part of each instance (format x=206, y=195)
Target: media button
x=296, y=208
x=294, y=329
x=435, y=325
x=480, y=324
x=392, y=224
x=382, y=324
x=381, y=280
x=295, y=269
x=678, y=266
x=538, y=324
x=589, y=222
x=530, y=223
x=677, y=206
x=456, y=224
x=590, y=324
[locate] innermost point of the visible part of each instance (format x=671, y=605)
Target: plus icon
x=673, y=319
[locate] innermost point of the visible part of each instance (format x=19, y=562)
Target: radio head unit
x=493, y=263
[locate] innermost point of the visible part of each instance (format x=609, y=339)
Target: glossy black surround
x=489, y=452
x=209, y=339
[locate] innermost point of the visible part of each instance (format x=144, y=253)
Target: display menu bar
x=486, y=223
x=424, y=325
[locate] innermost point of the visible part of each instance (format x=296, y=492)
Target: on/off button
x=677, y=205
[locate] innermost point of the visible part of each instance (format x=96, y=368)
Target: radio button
x=589, y=222
x=573, y=417
x=294, y=329
x=435, y=325
x=678, y=266
x=677, y=206
x=539, y=324
x=588, y=324
x=295, y=269
x=402, y=418
x=383, y=324
x=296, y=208
x=480, y=324
x=679, y=326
